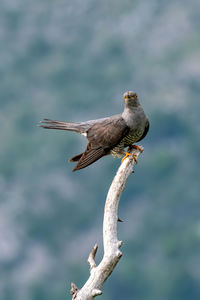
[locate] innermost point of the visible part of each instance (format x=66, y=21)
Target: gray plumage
x=107, y=135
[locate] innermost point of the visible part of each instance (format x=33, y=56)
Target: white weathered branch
x=112, y=254
x=91, y=257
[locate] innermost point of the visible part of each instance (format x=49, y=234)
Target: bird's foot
x=134, y=155
x=126, y=155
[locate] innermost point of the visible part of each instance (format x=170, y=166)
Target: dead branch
x=112, y=253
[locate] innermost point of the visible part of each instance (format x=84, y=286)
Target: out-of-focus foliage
x=72, y=60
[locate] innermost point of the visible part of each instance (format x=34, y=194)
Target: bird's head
x=131, y=99
x=130, y=96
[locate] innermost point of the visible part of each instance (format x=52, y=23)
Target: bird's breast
x=132, y=137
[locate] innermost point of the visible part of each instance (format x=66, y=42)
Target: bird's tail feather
x=70, y=126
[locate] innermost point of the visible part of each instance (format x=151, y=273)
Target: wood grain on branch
x=112, y=253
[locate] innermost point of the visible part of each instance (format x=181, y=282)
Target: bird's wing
x=102, y=138
x=89, y=156
x=108, y=133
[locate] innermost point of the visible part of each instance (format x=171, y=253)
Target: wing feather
x=109, y=133
x=103, y=137
x=88, y=157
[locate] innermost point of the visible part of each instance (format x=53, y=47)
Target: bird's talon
x=126, y=155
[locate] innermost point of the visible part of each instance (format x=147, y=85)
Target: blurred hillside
x=72, y=60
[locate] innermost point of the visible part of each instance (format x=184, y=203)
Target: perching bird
x=107, y=135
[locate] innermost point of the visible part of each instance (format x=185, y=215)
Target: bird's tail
x=71, y=126
x=75, y=158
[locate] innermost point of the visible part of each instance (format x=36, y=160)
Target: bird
x=110, y=135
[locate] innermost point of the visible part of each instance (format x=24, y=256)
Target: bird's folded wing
x=109, y=133
x=103, y=137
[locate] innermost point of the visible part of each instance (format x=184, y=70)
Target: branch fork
x=112, y=253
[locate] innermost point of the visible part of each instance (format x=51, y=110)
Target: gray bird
x=107, y=135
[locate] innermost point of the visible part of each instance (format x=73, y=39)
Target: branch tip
x=95, y=249
x=119, y=254
x=96, y=292
x=74, y=290
x=120, y=220
x=120, y=244
x=91, y=257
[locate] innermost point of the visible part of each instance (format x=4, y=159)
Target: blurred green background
x=73, y=60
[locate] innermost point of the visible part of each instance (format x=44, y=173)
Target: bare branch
x=73, y=291
x=91, y=257
x=112, y=254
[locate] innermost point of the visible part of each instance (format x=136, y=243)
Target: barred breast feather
x=131, y=138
